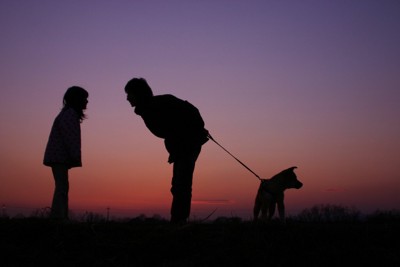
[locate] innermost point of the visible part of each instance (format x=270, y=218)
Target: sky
x=313, y=84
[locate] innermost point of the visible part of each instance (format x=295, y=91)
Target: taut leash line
x=244, y=165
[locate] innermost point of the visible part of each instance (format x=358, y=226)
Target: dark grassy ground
x=40, y=242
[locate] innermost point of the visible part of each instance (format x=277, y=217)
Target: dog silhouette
x=271, y=194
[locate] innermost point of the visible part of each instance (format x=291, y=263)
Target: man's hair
x=139, y=88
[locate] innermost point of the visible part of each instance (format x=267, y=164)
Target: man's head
x=138, y=91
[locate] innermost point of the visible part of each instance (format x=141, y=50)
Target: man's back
x=169, y=117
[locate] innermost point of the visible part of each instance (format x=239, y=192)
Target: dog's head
x=290, y=179
x=287, y=179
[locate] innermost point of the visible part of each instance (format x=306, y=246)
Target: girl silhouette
x=63, y=150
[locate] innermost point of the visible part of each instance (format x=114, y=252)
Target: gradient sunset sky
x=312, y=84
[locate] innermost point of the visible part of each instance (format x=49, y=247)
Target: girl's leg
x=59, y=207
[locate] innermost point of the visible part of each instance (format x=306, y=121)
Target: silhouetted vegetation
x=329, y=213
x=382, y=216
x=323, y=235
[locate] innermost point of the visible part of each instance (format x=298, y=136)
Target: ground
x=230, y=242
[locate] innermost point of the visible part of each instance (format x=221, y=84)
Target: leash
x=244, y=165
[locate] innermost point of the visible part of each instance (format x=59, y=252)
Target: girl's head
x=77, y=98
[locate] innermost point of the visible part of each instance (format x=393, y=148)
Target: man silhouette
x=181, y=126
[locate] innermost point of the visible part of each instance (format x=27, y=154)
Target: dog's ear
x=292, y=168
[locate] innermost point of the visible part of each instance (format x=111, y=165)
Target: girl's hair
x=74, y=98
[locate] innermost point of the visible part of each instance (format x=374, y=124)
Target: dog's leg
x=271, y=208
x=267, y=199
x=264, y=210
x=257, y=207
x=281, y=207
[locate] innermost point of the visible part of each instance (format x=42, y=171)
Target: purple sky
x=315, y=84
